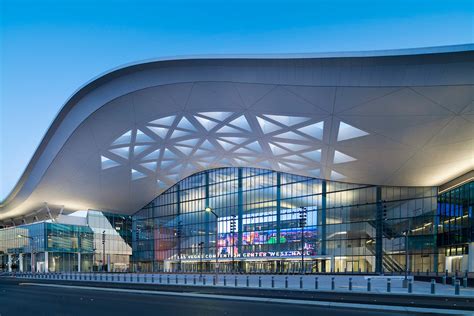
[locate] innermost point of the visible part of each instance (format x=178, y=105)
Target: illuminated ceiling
x=390, y=118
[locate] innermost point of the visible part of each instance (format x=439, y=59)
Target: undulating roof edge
x=131, y=67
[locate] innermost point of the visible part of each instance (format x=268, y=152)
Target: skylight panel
x=347, y=131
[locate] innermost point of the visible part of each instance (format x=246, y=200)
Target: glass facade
x=456, y=227
x=255, y=225
x=62, y=247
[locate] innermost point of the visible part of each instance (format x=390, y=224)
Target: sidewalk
x=378, y=284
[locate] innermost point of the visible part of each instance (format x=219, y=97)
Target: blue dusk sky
x=48, y=49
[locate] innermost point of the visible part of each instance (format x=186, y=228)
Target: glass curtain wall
x=255, y=224
x=456, y=228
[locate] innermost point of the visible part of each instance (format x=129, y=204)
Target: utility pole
x=302, y=224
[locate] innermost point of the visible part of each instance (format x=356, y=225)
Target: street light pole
x=32, y=251
x=407, y=257
x=232, y=230
x=303, y=214
x=103, y=250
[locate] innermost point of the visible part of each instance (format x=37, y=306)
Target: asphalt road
x=16, y=299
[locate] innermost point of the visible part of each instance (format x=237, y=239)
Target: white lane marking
x=263, y=299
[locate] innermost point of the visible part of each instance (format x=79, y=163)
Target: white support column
x=10, y=263
x=46, y=262
x=109, y=268
x=78, y=262
x=20, y=261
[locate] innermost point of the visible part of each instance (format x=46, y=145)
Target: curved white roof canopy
x=391, y=118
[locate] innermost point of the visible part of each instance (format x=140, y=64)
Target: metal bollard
x=235, y=281
x=225, y=280
x=457, y=288
x=316, y=285
x=259, y=281
x=433, y=286
x=464, y=282
x=204, y=280
x=214, y=280
x=410, y=286
x=286, y=282
x=159, y=279
x=350, y=284
x=152, y=278
x=368, y=285
x=443, y=280
x=389, y=285
x=168, y=279
x=185, y=279
x=333, y=285
x=194, y=279
x=453, y=280
x=301, y=282
x=176, y=279
x=248, y=283
x=273, y=281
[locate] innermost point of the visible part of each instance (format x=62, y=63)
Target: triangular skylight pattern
x=288, y=120
x=313, y=155
x=139, y=149
x=290, y=135
x=166, y=121
x=347, y=131
x=267, y=126
x=314, y=130
x=123, y=152
x=241, y=122
x=219, y=116
x=336, y=175
x=228, y=129
x=174, y=146
x=126, y=138
x=206, y=123
x=108, y=163
x=276, y=150
x=235, y=140
x=150, y=165
x=153, y=155
x=178, y=133
x=142, y=137
x=137, y=174
x=159, y=131
x=168, y=154
x=341, y=157
x=184, y=149
x=185, y=124
x=225, y=145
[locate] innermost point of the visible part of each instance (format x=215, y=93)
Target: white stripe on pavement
x=265, y=300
